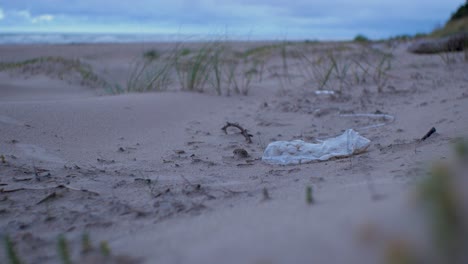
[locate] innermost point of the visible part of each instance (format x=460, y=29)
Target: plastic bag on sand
x=298, y=151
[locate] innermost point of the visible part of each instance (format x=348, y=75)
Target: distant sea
x=75, y=38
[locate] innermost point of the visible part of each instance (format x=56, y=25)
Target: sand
x=154, y=175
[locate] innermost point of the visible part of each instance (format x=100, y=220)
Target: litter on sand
x=298, y=151
x=324, y=92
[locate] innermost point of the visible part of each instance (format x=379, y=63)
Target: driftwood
x=244, y=131
x=453, y=43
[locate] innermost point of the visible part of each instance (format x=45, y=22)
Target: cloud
x=42, y=18
x=26, y=15
x=2, y=15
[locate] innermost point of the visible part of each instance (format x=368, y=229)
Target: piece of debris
x=244, y=132
x=240, y=153
x=299, y=152
x=324, y=92
x=428, y=134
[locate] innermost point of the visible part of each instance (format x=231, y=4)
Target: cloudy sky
x=306, y=19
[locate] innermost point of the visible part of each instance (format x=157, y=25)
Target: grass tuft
x=63, y=250
x=86, y=245
x=105, y=249
x=148, y=75
x=399, y=252
x=152, y=55
x=440, y=198
x=215, y=67
x=361, y=39
x=12, y=256
x=461, y=148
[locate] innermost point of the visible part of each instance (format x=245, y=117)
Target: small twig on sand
x=244, y=131
x=428, y=134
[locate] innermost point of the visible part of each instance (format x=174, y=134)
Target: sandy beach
x=155, y=176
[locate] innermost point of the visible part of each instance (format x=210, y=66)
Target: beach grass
x=58, y=67
x=11, y=254
x=215, y=67
x=64, y=250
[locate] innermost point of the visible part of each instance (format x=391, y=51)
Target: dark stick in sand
x=244, y=131
x=428, y=134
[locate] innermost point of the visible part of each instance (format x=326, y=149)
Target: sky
x=286, y=19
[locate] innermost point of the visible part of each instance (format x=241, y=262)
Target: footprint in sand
x=39, y=153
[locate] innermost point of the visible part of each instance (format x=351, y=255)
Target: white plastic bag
x=298, y=151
